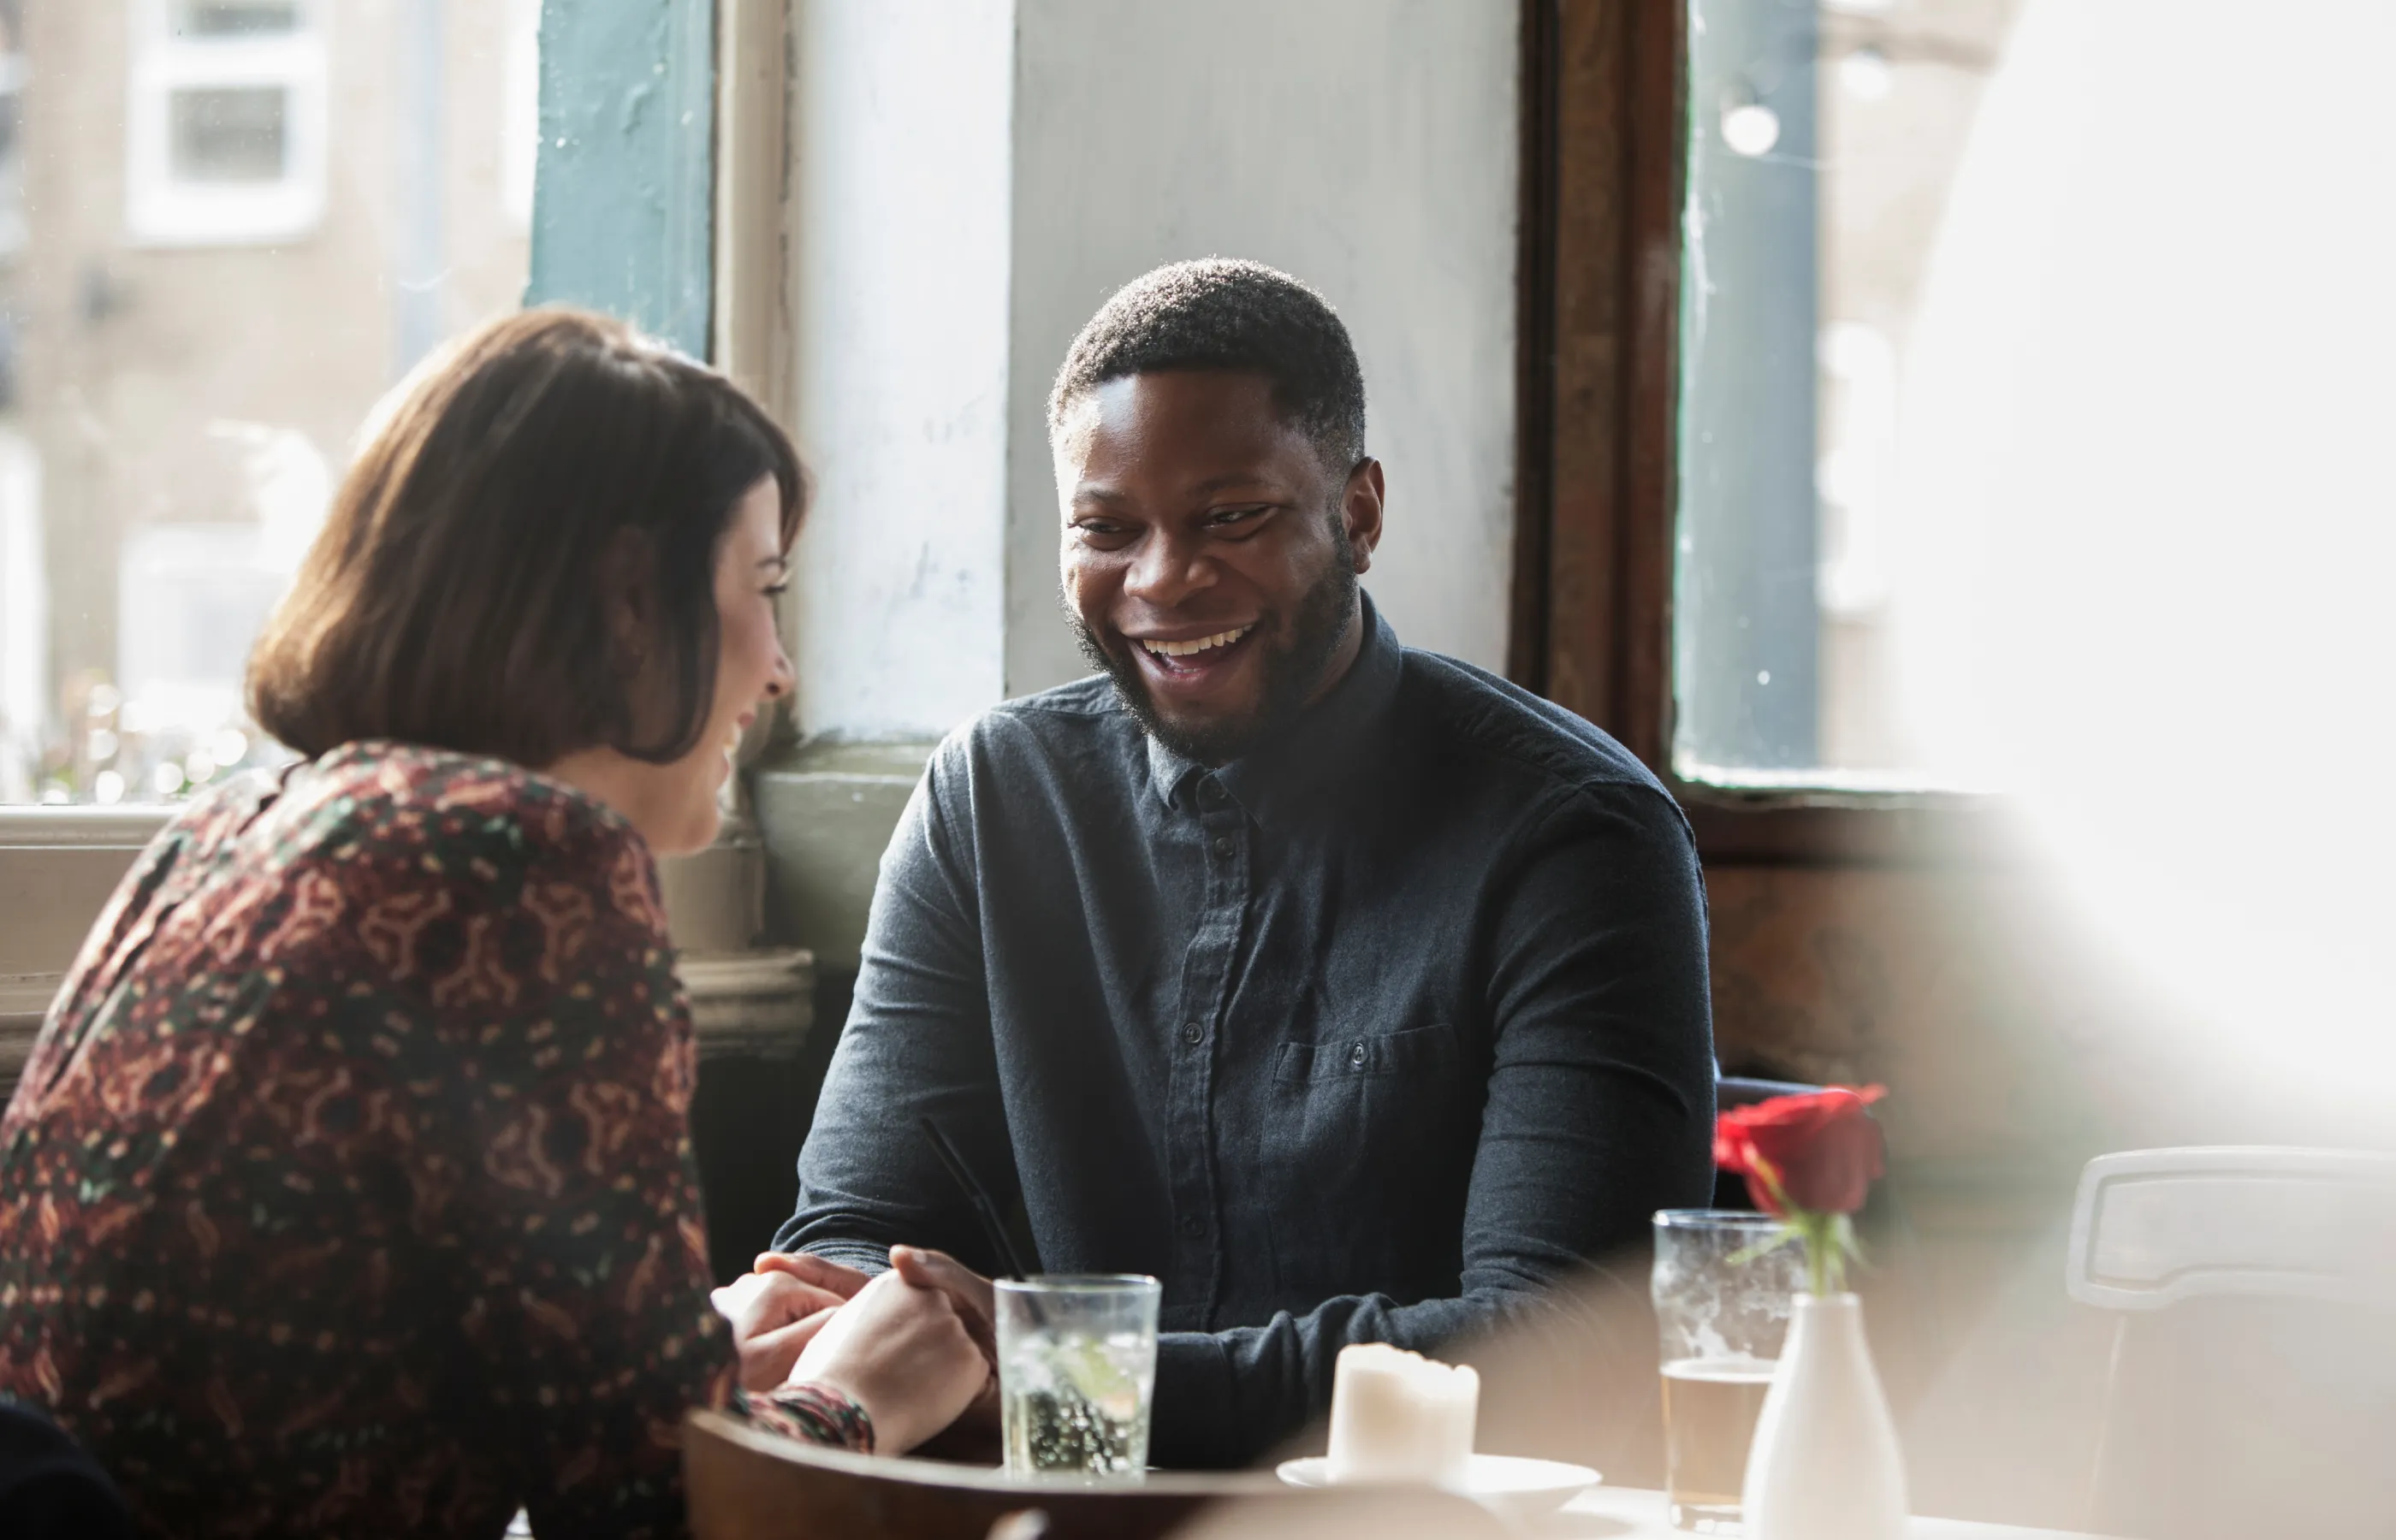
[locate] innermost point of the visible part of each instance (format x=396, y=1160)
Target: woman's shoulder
x=484, y=832
x=375, y=795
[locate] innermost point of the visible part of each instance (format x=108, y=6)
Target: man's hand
x=777, y=1309
x=976, y=1301
x=974, y=1436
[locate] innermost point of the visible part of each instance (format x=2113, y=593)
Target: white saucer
x=1503, y=1482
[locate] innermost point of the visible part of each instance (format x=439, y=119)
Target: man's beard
x=1291, y=671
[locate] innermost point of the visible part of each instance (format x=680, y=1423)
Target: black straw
x=984, y=1210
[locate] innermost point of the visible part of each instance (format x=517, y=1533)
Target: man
x=1353, y=992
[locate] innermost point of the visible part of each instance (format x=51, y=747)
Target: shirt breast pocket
x=1372, y=1055
x=1376, y=1129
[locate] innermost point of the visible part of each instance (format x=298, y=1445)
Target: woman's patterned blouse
x=349, y=1189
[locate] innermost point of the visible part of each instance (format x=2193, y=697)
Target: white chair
x=2251, y=1383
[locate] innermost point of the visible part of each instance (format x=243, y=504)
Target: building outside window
x=12, y=174
x=226, y=120
x=243, y=221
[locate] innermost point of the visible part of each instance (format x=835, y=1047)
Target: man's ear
x=1360, y=512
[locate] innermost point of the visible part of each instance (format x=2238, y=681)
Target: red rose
x=1816, y=1153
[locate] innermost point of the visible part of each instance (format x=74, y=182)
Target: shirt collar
x=1324, y=740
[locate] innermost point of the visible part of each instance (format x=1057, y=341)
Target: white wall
x=976, y=175
x=900, y=256
x=1368, y=147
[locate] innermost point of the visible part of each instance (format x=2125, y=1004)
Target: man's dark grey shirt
x=1367, y=1036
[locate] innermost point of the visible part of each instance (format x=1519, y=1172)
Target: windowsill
x=1821, y=827
x=752, y=1005
x=58, y=867
x=826, y=811
x=184, y=229
x=1820, y=782
x=81, y=827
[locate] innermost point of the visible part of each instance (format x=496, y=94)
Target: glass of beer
x=1721, y=1287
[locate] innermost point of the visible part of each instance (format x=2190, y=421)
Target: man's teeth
x=1183, y=649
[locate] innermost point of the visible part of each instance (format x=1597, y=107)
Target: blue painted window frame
x=624, y=184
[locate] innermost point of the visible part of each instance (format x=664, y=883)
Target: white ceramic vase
x=1825, y=1464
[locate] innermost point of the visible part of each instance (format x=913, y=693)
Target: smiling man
x=1353, y=992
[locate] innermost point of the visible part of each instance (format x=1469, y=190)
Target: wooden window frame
x=1604, y=165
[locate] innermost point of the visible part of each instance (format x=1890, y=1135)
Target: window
x=189, y=598
x=1825, y=147
x=176, y=408
x=226, y=123
x=319, y=194
x=2025, y=386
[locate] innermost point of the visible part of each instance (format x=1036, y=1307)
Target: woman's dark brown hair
x=458, y=593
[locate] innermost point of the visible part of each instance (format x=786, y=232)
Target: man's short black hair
x=1222, y=314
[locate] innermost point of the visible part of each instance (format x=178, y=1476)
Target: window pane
x=1825, y=142
x=176, y=408
x=235, y=18
x=13, y=162
x=2032, y=387
x=227, y=135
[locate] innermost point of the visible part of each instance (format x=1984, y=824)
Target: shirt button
x=1191, y=1034
x=1222, y=844
x=1356, y=1056
x=1192, y=1227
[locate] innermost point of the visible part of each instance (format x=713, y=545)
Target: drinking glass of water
x=1076, y=1374
x=1722, y=1289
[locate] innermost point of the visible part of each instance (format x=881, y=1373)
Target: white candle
x=1399, y=1417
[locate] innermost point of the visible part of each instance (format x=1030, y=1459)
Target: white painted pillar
x=900, y=249
x=1368, y=147
x=975, y=177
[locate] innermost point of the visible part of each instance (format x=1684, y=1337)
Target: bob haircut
x=456, y=595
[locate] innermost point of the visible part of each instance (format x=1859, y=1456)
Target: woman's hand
x=902, y=1352
x=777, y=1311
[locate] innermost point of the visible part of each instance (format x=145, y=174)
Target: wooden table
x=1628, y=1513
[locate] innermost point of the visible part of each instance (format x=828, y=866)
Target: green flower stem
x=1828, y=1238
x=1825, y=1258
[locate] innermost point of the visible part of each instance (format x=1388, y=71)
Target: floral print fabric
x=349, y=1189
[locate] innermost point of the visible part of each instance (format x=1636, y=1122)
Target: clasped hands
x=916, y=1348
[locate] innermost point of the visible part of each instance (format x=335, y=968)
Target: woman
x=349, y=1189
